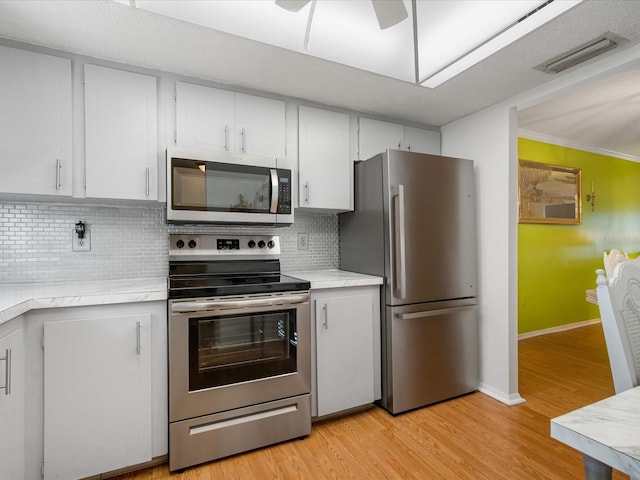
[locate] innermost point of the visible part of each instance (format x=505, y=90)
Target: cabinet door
x=260, y=126
x=204, y=117
x=344, y=348
x=325, y=169
x=375, y=137
x=35, y=123
x=97, y=395
x=421, y=141
x=12, y=404
x=121, y=128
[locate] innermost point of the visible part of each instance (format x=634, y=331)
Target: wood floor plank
x=472, y=437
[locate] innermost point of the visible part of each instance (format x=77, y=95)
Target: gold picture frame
x=549, y=193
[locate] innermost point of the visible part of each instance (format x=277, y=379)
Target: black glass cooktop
x=212, y=279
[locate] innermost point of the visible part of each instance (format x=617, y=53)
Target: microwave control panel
x=284, y=191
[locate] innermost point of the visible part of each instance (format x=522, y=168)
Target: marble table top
x=18, y=298
x=608, y=430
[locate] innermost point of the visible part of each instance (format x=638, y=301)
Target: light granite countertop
x=16, y=299
x=335, y=278
x=19, y=298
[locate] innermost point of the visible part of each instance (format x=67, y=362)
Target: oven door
x=227, y=353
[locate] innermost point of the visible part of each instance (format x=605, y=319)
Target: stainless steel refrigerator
x=414, y=224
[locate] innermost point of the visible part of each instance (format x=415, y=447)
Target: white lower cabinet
x=97, y=395
x=346, y=322
x=12, y=400
x=98, y=389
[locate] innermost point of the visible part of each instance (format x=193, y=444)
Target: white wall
x=486, y=138
x=489, y=137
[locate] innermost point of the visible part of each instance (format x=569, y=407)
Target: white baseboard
x=511, y=400
x=561, y=328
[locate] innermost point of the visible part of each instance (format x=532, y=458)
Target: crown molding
x=565, y=142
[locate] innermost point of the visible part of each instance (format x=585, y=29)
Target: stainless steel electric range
x=239, y=348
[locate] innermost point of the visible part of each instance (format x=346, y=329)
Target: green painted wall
x=557, y=263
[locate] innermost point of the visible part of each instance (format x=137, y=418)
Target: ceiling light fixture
x=581, y=53
x=526, y=24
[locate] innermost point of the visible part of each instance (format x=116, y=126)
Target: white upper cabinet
x=421, y=141
x=375, y=136
x=213, y=119
x=35, y=123
x=324, y=166
x=260, y=126
x=121, y=128
x=205, y=117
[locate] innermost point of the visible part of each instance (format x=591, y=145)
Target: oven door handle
x=180, y=307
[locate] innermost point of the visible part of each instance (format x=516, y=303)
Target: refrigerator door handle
x=433, y=313
x=399, y=233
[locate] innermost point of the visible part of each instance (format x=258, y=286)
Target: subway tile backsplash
x=130, y=242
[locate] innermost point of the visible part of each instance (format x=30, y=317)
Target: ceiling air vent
x=590, y=49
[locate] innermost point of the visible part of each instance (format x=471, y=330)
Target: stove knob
x=180, y=243
x=261, y=244
x=192, y=244
x=252, y=244
x=271, y=244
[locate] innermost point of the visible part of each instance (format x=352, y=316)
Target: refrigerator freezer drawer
x=430, y=355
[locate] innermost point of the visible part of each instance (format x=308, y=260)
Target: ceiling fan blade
x=388, y=12
x=292, y=5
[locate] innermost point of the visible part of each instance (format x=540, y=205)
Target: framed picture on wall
x=549, y=193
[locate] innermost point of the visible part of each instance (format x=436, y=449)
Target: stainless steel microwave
x=218, y=187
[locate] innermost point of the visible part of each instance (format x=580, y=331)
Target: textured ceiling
x=116, y=32
x=604, y=114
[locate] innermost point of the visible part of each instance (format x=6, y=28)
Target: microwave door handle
x=273, y=208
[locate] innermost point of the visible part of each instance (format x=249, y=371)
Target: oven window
x=219, y=187
x=239, y=348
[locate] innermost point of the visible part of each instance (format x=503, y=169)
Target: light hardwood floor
x=472, y=437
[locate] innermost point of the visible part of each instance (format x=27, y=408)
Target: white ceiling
x=348, y=32
x=119, y=33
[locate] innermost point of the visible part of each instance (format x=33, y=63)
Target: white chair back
x=619, y=303
x=611, y=259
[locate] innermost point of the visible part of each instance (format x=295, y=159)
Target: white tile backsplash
x=129, y=242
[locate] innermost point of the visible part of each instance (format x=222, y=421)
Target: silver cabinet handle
x=226, y=137
x=433, y=313
x=399, y=145
x=243, y=135
x=7, y=371
x=409, y=147
x=325, y=324
x=138, y=348
x=58, y=174
x=306, y=192
x=148, y=180
x=275, y=192
x=400, y=257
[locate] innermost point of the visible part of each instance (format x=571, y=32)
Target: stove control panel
x=211, y=246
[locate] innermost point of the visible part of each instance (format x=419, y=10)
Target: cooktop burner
x=212, y=265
